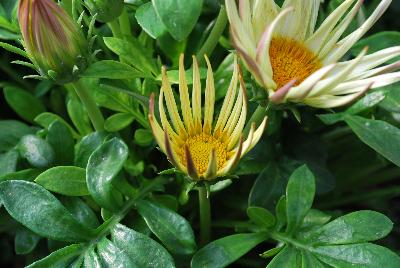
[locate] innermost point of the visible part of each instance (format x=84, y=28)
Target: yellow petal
x=209, y=99
x=196, y=96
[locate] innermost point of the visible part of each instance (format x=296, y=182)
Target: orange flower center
x=200, y=147
x=291, y=60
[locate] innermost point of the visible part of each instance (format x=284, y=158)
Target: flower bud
x=52, y=40
x=106, y=10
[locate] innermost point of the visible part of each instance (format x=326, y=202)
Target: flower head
x=296, y=62
x=52, y=40
x=197, y=145
x=106, y=10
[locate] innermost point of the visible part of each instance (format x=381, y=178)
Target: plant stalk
x=205, y=216
x=93, y=110
x=115, y=28
x=213, y=39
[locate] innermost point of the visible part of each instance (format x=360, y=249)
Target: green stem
x=125, y=25
x=205, y=216
x=289, y=240
x=116, y=30
x=93, y=110
x=256, y=118
x=212, y=40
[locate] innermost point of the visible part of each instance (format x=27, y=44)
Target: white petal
x=344, y=45
x=316, y=41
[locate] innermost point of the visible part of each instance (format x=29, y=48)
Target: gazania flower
x=52, y=39
x=197, y=145
x=296, y=62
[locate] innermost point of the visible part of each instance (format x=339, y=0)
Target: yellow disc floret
x=291, y=60
x=200, y=147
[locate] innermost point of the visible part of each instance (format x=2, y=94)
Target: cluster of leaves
x=73, y=197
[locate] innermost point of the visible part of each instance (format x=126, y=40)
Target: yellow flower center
x=291, y=60
x=200, y=147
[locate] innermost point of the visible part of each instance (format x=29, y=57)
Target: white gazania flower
x=296, y=62
x=200, y=147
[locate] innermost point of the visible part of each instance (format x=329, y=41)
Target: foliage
x=313, y=193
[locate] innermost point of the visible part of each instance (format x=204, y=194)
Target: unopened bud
x=52, y=40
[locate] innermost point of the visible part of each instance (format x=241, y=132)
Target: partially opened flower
x=296, y=62
x=52, y=39
x=195, y=143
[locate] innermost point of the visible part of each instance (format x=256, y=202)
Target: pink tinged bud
x=52, y=39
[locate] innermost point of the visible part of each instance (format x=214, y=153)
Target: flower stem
x=212, y=40
x=91, y=107
x=116, y=30
x=125, y=25
x=257, y=118
x=205, y=216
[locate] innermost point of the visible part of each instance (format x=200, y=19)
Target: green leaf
x=315, y=218
x=261, y=216
x=8, y=162
x=224, y=251
x=23, y=103
x=66, y=180
x=60, y=258
x=377, y=42
x=11, y=132
x=118, y=121
x=37, y=151
x=41, y=212
x=46, y=119
x=134, y=53
x=379, y=135
x=103, y=166
x=112, y=256
x=309, y=260
x=360, y=106
x=144, y=251
x=87, y=146
x=392, y=101
x=13, y=49
x=171, y=228
x=356, y=227
x=79, y=117
x=288, y=257
x=178, y=16
x=148, y=19
x=81, y=211
x=92, y=260
x=268, y=188
x=60, y=139
x=299, y=197
x=358, y=255
x=25, y=241
x=111, y=70
x=144, y=137
x=26, y=175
